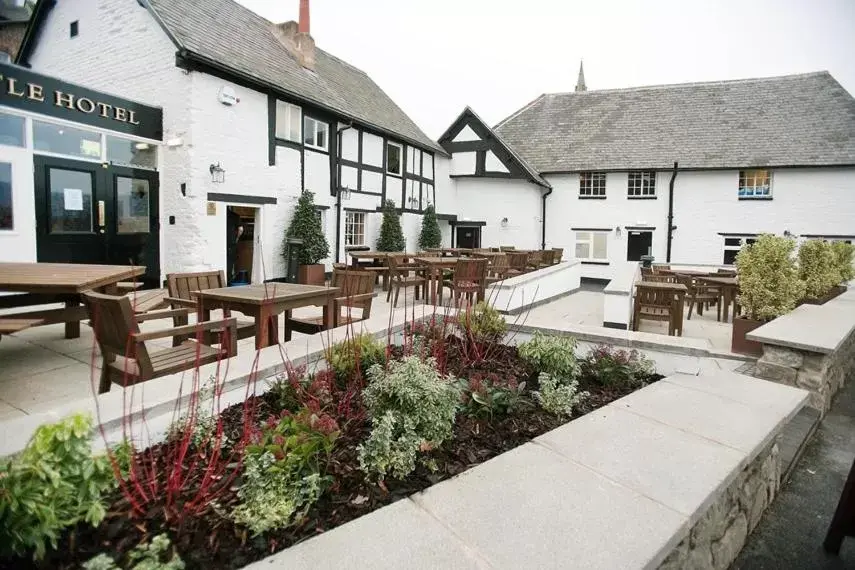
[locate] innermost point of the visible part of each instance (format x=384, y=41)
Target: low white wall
x=520, y=293
x=617, y=296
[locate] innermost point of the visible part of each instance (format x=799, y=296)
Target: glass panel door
x=71, y=204
x=132, y=227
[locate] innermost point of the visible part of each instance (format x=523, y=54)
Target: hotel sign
x=22, y=89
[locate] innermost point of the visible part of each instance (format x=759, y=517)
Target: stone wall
x=717, y=538
x=821, y=374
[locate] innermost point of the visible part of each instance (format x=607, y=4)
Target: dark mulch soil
x=212, y=542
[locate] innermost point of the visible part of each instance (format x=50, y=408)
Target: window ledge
x=395, y=174
x=316, y=148
x=595, y=263
x=641, y=197
x=592, y=197
x=750, y=198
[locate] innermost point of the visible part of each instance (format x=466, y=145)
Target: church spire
x=580, y=84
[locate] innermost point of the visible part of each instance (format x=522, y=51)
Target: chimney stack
x=304, y=17
x=296, y=38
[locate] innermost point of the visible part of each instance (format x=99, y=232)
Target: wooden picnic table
x=435, y=266
x=679, y=291
x=265, y=302
x=729, y=289
x=46, y=283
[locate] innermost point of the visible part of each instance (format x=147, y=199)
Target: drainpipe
x=671, y=212
x=338, y=191
x=543, y=220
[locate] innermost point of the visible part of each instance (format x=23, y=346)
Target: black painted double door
x=100, y=214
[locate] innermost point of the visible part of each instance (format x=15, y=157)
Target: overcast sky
x=434, y=57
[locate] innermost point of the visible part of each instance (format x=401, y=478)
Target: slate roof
x=523, y=163
x=225, y=32
x=795, y=120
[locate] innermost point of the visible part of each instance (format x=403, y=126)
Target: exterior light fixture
x=141, y=146
x=344, y=193
x=505, y=222
x=218, y=175
x=617, y=231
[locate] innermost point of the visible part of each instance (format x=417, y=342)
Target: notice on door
x=73, y=198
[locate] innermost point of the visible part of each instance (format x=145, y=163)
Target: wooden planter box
x=836, y=291
x=738, y=342
x=311, y=274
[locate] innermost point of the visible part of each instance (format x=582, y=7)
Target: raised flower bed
x=315, y=450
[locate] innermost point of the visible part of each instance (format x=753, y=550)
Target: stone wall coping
x=812, y=328
x=622, y=283
x=531, y=277
x=618, y=488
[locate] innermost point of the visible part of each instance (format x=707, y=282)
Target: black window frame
x=592, y=184
x=641, y=184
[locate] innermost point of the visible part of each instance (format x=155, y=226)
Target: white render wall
x=491, y=200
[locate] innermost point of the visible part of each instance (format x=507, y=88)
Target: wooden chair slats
x=356, y=291
x=559, y=253
x=659, y=278
x=498, y=270
x=403, y=275
x=517, y=262
x=469, y=279
x=546, y=257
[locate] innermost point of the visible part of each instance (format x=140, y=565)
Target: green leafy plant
x=843, y=260
x=152, y=556
x=53, y=484
x=306, y=226
x=818, y=268
x=482, y=323
x=552, y=354
x=490, y=396
x=622, y=369
x=282, y=470
x=358, y=353
x=430, y=236
x=558, y=397
x=769, y=284
x=391, y=235
x=412, y=409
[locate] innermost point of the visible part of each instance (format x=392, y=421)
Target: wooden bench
x=9, y=326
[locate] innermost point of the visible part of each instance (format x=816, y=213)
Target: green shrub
x=843, y=254
x=818, y=268
x=557, y=397
x=306, y=226
x=769, y=284
x=391, y=235
x=282, y=470
x=143, y=557
x=552, y=354
x=492, y=396
x=412, y=408
x=430, y=236
x=53, y=484
x=360, y=352
x=616, y=368
x=482, y=323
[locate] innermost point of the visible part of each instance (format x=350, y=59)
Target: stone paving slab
x=671, y=466
x=531, y=508
x=401, y=535
x=754, y=392
x=815, y=328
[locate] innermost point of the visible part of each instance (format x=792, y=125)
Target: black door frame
x=455, y=239
x=629, y=233
x=104, y=244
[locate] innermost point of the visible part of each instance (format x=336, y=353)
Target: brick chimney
x=296, y=38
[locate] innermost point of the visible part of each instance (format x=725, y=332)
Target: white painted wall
x=19, y=243
x=372, y=149
x=350, y=144
x=463, y=163
x=490, y=199
x=446, y=187
x=493, y=164
x=618, y=294
x=519, y=293
x=466, y=134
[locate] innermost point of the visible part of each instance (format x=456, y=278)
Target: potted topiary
x=769, y=286
x=431, y=235
x=391, y=235
x=820, y=272
x=306, y=226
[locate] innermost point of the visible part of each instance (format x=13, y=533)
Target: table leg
x=725, y=293
x=433, y=285
x=72, y=328
x=329, y=314
x=286, y=326
x=262, y=328
x=273, y=330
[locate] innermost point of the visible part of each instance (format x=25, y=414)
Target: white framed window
x=394, y=152
x=7, y=220
x=592, y=246
x=315, y=133
x=641, y=184
x=755, y=184
x=592, y=184
x=732, y=245
x=354, y=228
x=288, y=121
x=12, y=130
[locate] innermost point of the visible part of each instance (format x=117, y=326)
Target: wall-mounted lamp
x=504, y=222
x=617, y=231
x=218, y=175
x=344, y=193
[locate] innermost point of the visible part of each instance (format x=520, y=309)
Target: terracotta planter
x=738, y=342
x=311, y=274
x=837, y=290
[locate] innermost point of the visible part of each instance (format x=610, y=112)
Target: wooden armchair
x=498, y=271
x=700, y=294
x=356, y=291
x=659, y=278
x=517, y=262
x=559, y=253
x=117, y=331
x=657, y=305
x=506, y=248
x=180, y=285
x=403, y=275
x=533, y=261
x=547, y=257
x=469, y=279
